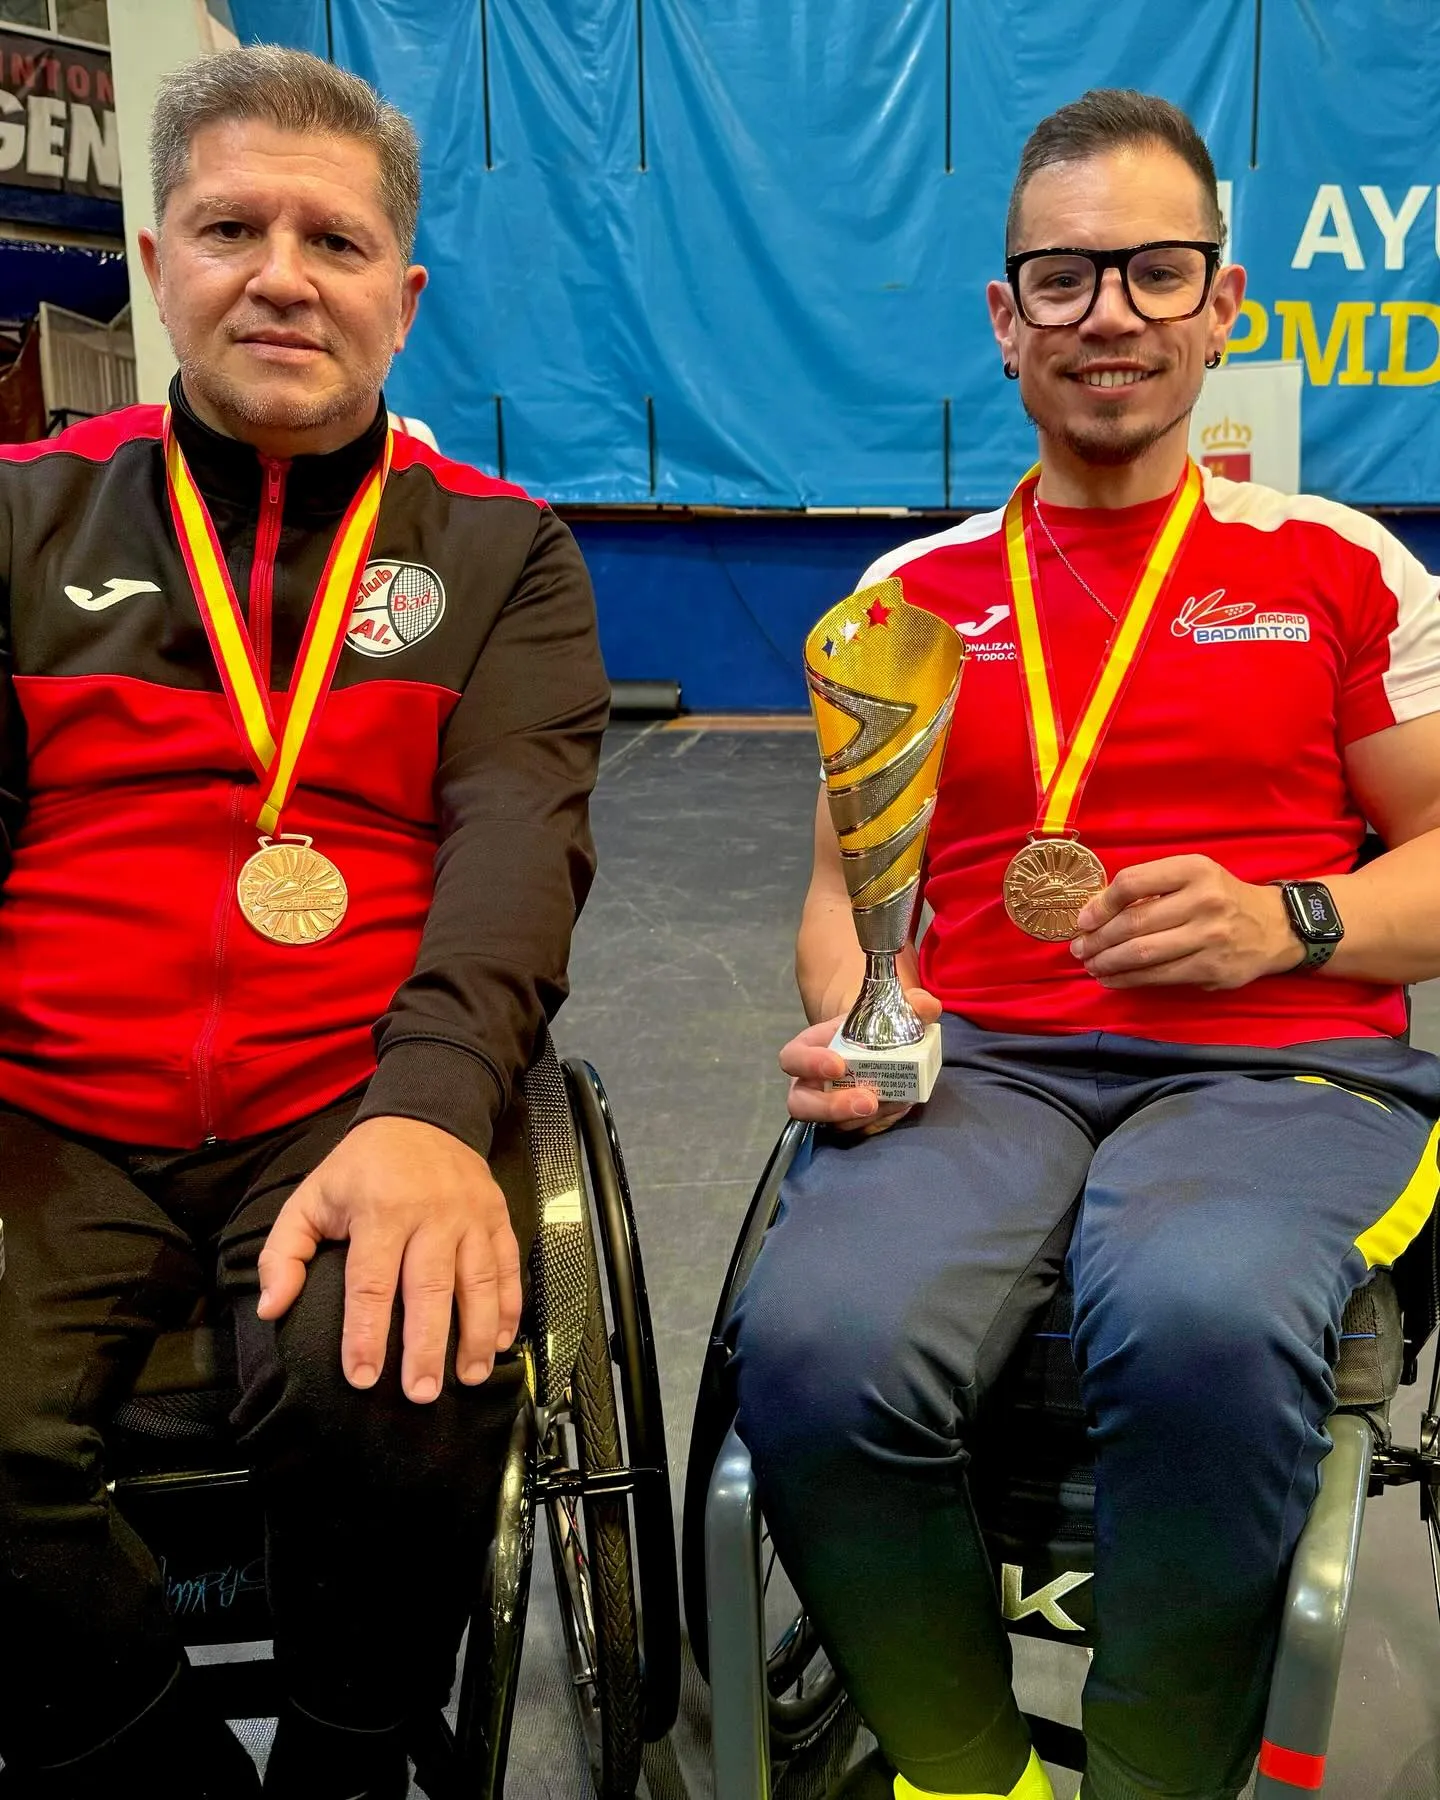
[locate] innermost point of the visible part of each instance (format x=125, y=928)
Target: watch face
x=1314, y=912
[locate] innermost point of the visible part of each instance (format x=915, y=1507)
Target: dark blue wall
x=92, y=282
x=722, y=605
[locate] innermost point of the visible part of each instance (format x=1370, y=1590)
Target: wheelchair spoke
x=769, y=1571
x=573, y=1571
x=576, y=1538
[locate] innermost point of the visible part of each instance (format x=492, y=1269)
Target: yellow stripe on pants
x=1383, y=1242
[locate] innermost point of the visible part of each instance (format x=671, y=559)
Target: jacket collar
x=316, y=487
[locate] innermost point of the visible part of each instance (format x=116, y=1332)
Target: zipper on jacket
x=262, y=569
x=225, y=910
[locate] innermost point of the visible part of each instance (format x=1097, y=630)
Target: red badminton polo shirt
x=1291, y=627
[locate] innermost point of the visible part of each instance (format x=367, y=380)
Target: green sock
x=1034, y=1784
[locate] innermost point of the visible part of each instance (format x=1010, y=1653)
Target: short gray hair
x=295, y=92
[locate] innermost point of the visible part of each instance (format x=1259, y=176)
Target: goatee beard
x=249, y=406
x=1108, y=445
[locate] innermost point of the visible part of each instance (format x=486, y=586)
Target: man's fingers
x=1141, y=918
x=808, y=1055
x=891, y=1112
x=372, y=1269
x=814, y=1105
x=427, y=1288
x=477, y=1298
x=1163, y=876
x=507, y=1265
x=928, y=1007
x=294, y=1238
x=811, y=1062
x=1154, y=961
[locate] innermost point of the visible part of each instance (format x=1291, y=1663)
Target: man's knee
x=1196, y=1342
x=50, y=1465
x=300, y=1419
x=830, y=1361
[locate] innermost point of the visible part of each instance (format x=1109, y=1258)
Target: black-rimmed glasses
x=1162, y=281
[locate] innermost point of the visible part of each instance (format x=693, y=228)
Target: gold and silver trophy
x=883, y=678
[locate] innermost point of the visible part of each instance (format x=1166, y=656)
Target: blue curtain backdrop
x=733, y=252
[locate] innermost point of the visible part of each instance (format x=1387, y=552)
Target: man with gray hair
x=298, y=724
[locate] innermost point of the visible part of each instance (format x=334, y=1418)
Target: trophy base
x=906, y=1074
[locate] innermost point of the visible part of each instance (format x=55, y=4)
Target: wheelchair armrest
x=735, y=1628
x=1317, y=1605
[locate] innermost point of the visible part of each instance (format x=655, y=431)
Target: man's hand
x=420, y=1209
x=1184, y=919
x=810, y=1062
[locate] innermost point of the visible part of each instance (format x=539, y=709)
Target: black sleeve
x=515, y=858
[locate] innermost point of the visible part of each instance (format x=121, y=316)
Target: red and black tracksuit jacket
x=447, y=776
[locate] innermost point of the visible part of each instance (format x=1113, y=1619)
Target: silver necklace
x=1050, y=538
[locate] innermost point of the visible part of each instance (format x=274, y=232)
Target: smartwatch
x=1314, y=920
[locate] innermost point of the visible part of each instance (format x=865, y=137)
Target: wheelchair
x=594, y=1470
x=773, y=1691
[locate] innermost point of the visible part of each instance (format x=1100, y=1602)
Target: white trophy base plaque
x=906, y=1074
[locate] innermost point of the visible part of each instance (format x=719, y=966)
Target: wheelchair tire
x=632, y=1350
x=591, y=1553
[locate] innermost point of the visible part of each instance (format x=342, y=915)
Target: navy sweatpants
x=1217, y=1207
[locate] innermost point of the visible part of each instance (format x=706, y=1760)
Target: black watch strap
x=1314, y=919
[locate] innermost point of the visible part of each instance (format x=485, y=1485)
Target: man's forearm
x=1391, y=914
x=829, y=963
x=515, y=857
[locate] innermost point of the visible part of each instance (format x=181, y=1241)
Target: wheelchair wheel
x=637, y=1382
x=602, y=1480
x=590, y=1550
x=804, y=1693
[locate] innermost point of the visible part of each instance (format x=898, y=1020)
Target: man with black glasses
x=1172, y=1009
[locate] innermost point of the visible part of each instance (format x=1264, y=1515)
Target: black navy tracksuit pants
x=378, y=1511
x=1216, y=1207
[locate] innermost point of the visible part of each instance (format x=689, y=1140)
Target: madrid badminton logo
x=1212, y=621
x=398, y=604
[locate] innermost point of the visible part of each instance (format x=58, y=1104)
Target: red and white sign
x=1246, y=423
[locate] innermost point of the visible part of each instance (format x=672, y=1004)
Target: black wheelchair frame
x=773, y=1690
x=596, y=1472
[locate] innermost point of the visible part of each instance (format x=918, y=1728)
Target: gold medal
x=290, y=893
x=1047, y=884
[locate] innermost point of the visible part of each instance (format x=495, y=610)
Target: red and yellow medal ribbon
x=275, y=763
x=1062, y=767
